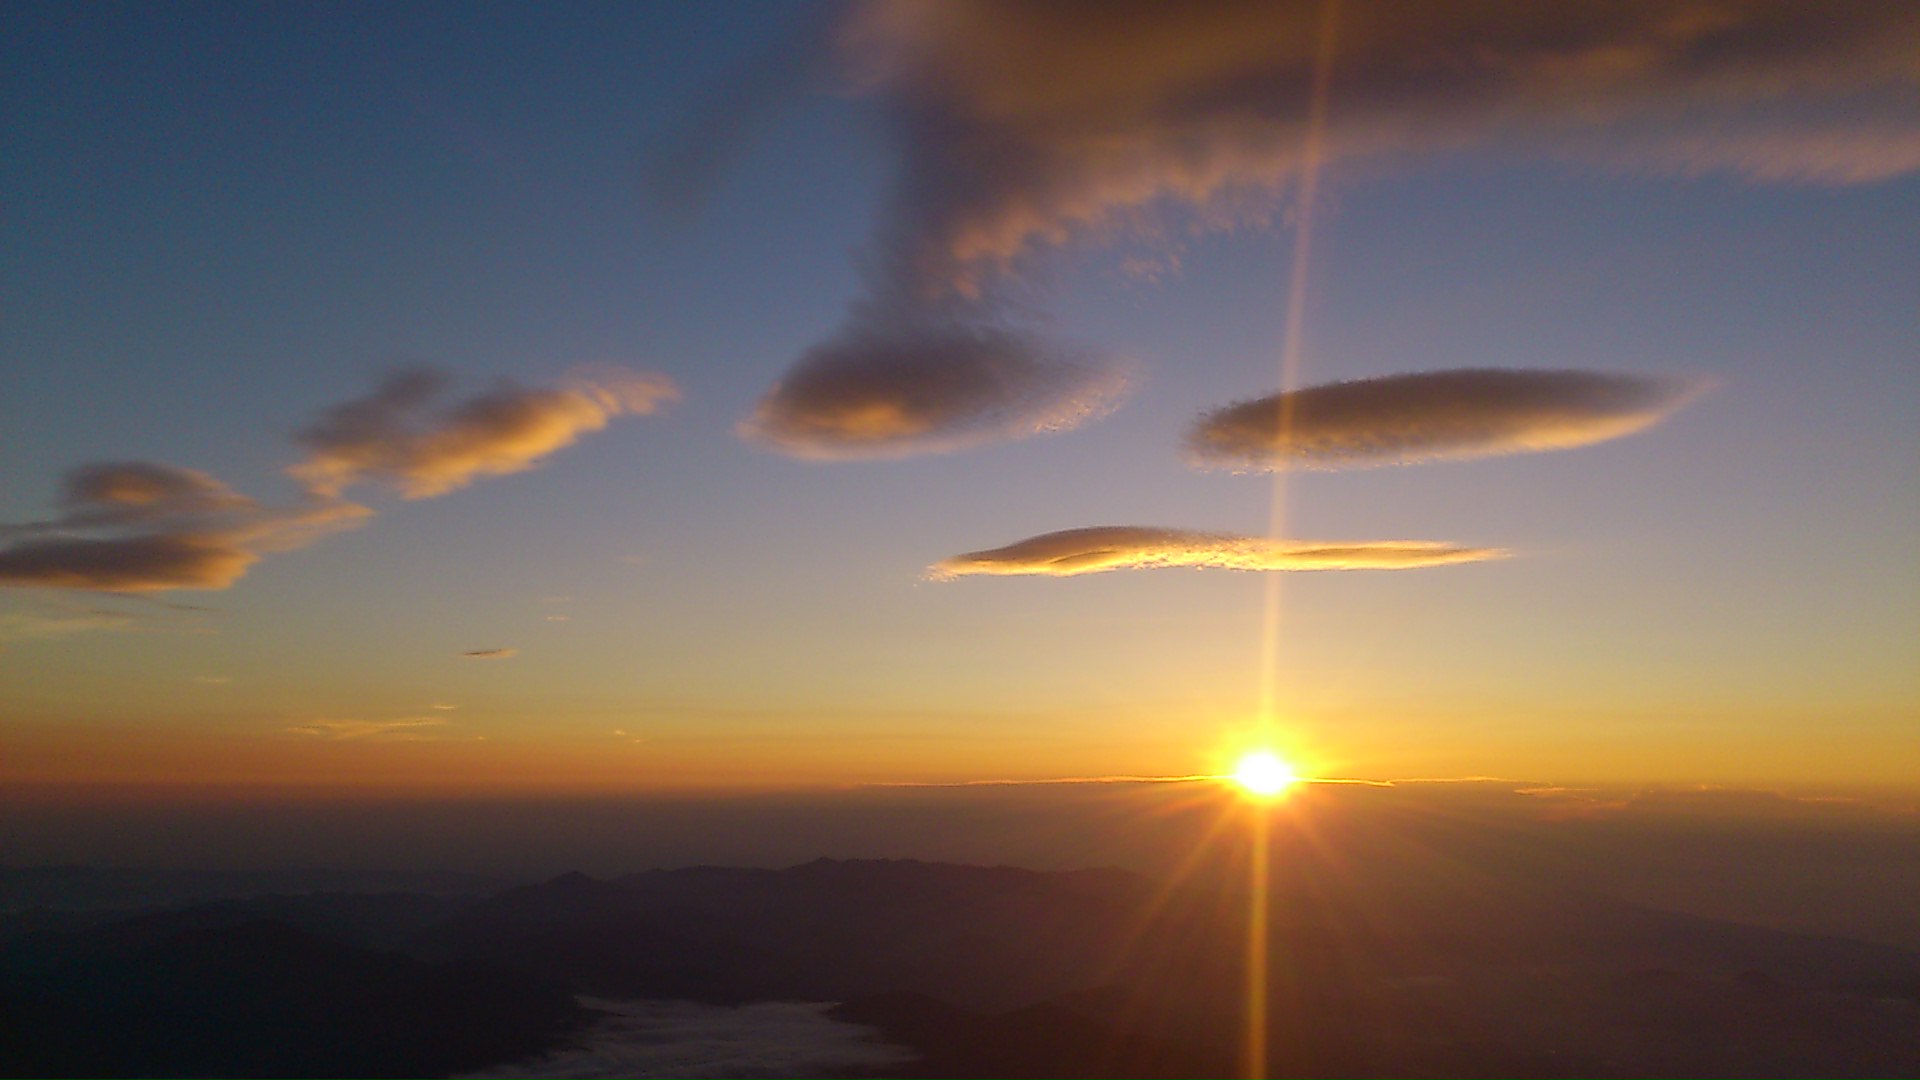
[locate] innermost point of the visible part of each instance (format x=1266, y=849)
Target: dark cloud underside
x=1433, y=416
x=894, y=390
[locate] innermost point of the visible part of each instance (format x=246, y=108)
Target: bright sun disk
x=1263, y=773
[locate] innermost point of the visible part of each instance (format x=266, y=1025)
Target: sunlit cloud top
x=1433, y=416
x=118, y=492
x=397, y=434
x=1136, y=547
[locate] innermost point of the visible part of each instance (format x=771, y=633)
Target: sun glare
x=1261, y=773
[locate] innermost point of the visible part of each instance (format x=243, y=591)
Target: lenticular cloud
x=1137, y=547
x=891, y=389
x=1021, y=127
x=1433, y=416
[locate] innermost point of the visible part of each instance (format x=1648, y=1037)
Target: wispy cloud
x=1433, y=416
x=32, y=625
x=400, y=434
x=1048, y=781
x=137, y=526
x=491, y=654
x=1868, y=150
x=1708, y=801
x=1190, y=778
x=894, y=384
x=1135, y=547
x=411, y=728
x=1021, y=125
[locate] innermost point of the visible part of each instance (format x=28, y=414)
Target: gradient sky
x=222, y=222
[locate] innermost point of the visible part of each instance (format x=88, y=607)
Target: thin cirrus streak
x=1131, y=547
x=1426, y=416
x=138, y=527
x=1190, y=778
x=406, y=729
x=1194, y=778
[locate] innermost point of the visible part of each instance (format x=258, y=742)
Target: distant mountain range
x=87, y=888
x=990, y=971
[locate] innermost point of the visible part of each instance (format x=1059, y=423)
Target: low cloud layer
x=141, y=527
x=689, y=1039
x=402, y=435
x=1134, y=547
x=890, y=388
x=1433, y=416
x=1022, y=125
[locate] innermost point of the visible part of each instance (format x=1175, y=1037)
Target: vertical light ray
x=1258, y=891
x=1257, y=942
x=1311, y=156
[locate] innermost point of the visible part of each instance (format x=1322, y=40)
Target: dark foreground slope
x=1380, y=969
x=261, y=999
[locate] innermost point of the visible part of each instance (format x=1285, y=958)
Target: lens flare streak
x=1312, y=153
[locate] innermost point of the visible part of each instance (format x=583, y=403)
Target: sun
x=1262, y=773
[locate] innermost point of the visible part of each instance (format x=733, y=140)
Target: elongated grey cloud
x=890, y=389
x=135, y=526
x=397, y=434
x=1136, y=547
x=130, y=564
x=29, y=625
x=1022, y=124
x=491, y=654
x=1433, y=416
